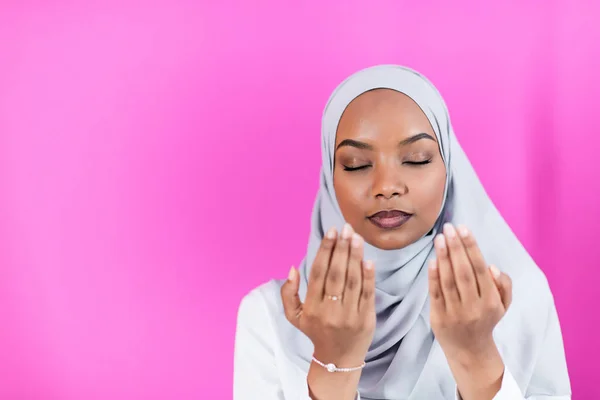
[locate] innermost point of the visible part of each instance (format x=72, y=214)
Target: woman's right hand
x=338, y=314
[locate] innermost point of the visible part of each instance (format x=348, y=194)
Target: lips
x=390, y=219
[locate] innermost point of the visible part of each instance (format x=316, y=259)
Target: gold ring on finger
x=334, y=298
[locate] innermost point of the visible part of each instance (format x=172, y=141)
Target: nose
x=388, y=182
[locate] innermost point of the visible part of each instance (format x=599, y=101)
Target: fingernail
x=356, y=240
x=449, y=230
x=369, y=265
x=346, y=231
x=292, y=274
x=463, y=231
x=440, y=241
x=495, y=271
x=331, y=233
x=432, y=265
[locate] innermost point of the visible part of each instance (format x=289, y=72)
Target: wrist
x=479, y=374
x=325, y=385
x=341, y=360
x=475, y=357
x=482, y=367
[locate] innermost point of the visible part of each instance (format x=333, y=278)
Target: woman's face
x=388, y=176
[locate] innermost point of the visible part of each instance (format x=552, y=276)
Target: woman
x=404, y=292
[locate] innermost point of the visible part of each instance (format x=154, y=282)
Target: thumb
x=504, y=285
x=292, y=305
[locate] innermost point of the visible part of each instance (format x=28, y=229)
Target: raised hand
x=338, y=314
x=468, y=299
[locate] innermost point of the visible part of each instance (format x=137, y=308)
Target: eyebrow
x=415, y=138
x=366, y=146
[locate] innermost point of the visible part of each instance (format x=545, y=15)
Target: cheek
x=428, y=193
x=350, y=195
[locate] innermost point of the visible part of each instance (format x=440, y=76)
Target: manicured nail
x=292, y=274
x=449, y=230
x=331, y=233
x=369, y=265
x=432, y=265
x=440, y=241
x=346, y=231
x=495, y=271
x=462, y=231
x=356, y=240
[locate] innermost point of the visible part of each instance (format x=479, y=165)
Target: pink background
x=157, y=161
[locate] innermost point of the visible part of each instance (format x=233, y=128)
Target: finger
x=461, y=266
x=449, y=289
x=292, y=305
x=367, y=293
x=352, y=289
x=318, y=271
x=504, y=285
x=335, y=279
x=484, y=282
x=435, y=287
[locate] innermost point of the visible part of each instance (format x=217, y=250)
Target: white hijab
x=404, y=360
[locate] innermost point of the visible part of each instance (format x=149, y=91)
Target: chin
x=389, y=240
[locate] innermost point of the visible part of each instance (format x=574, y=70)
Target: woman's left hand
x=468, y=299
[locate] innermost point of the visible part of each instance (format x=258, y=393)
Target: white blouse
x=262, y=370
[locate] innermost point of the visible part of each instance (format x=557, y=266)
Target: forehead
x=384, y=111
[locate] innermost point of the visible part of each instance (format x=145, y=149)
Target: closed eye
x=346, y=168
x=417, y=162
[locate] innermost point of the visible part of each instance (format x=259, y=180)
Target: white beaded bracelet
x=332, y=367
